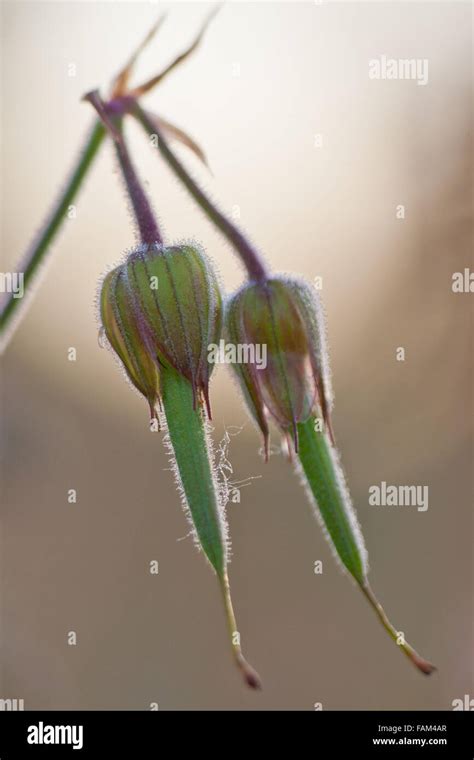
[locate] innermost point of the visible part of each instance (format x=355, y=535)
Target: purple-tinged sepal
x=128, y=335
x=162, y=308
x=285, y=317
x=179, y=297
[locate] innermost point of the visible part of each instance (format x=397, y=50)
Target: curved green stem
x=247, y=252
x=37, y=253
x=194, y=472
x=321, y=467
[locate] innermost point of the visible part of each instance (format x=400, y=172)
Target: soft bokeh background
x=326, y=211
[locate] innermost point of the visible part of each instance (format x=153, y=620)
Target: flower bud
x=163, y=307
x=285, y=315
x=178, y=294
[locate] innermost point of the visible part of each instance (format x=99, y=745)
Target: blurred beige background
x=267, y=80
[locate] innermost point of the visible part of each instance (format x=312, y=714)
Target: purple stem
x=149, y=231
x=111, y=115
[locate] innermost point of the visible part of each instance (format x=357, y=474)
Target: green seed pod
x=160, y=311
x=178, y=294
x=127, y=336
x=282, y=315
x=286, y=315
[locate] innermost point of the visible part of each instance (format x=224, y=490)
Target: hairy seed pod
x=286, y=315
x=160, y=311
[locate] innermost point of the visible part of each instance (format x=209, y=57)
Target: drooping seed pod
x=286, y=315
x=161, y=310
x=286, y=318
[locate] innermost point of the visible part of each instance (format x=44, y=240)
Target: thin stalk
x=413, y=656
x=250, y=675
x=149, y=231
x=113, y=123
x=320, y=464
x=37, y=253
x=194, y=474
x=248, y=253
